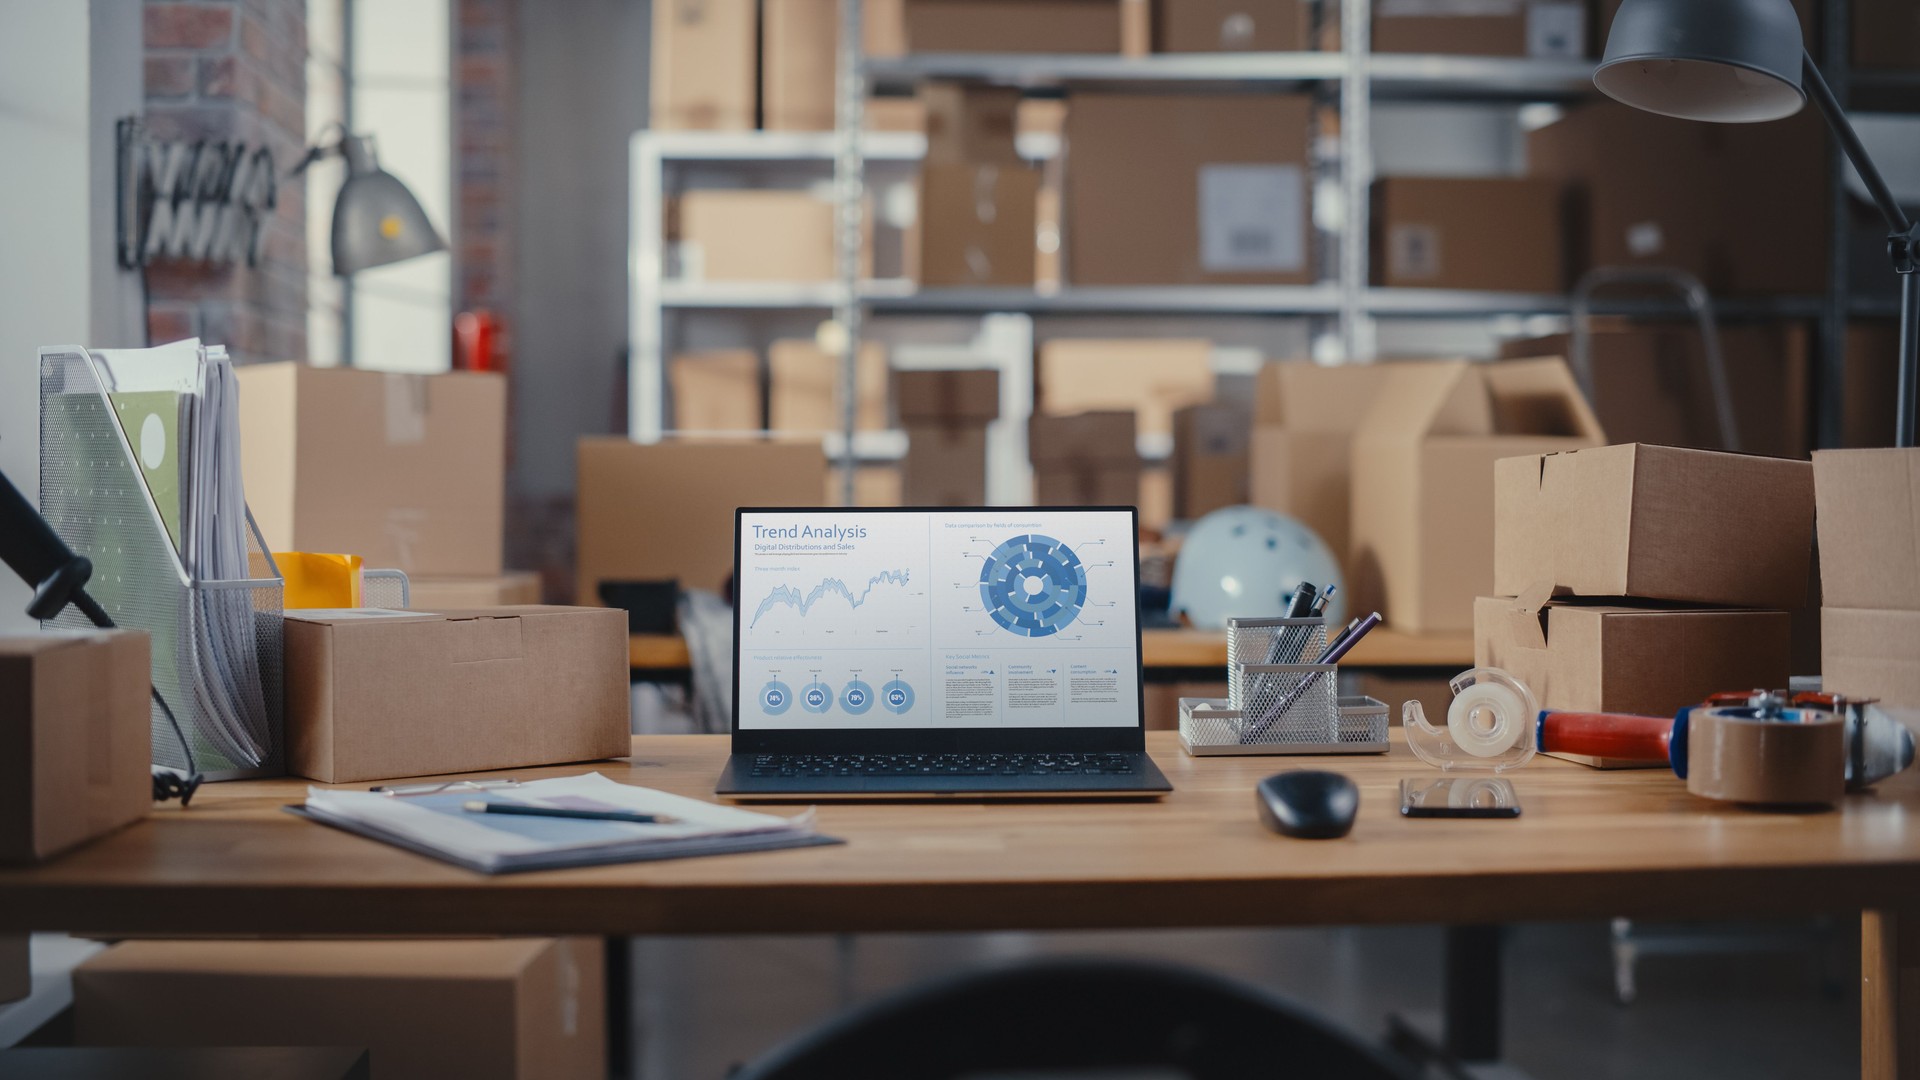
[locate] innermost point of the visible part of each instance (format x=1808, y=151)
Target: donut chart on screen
x=1033, y=585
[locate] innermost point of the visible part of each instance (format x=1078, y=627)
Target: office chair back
x=1071, y=1015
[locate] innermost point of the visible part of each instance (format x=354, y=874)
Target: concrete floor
x=702, y=1005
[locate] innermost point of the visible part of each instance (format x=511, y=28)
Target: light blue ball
x=1244, y=562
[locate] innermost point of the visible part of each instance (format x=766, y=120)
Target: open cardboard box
x=1869, y=515
x=1300, y=454
x=1422, y=534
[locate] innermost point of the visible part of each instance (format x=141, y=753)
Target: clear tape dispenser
x=1492, y=724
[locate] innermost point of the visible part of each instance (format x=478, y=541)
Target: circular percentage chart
x=1033, y=585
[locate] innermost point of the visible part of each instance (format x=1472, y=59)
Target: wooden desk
x=1591, y=845
x=1165, y=649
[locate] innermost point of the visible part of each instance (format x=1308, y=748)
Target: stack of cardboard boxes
x=1642, y=579
x=946, y=414
x=1869, y=515
x=1151, y=379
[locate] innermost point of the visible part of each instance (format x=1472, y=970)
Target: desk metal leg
x=1471, y=998
x=619, y=992
x=1890, y=995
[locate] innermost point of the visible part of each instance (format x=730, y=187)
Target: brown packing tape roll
x=1772, y=762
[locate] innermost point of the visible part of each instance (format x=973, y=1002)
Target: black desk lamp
x=1742, y=61
x=58, y=577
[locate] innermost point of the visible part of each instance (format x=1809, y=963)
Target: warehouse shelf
x=700, y=147
x=1465, y=303
x=1393, y=75
x=1886, y=91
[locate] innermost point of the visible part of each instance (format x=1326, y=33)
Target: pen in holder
x=1278, y=702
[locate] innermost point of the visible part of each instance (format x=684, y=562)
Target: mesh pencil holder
x=1278, y=704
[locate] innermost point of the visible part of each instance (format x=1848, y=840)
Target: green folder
x=151, y=420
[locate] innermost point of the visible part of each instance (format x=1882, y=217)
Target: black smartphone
x=1459, y=796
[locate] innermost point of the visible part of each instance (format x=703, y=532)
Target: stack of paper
x=179, y=407
x=438, y=824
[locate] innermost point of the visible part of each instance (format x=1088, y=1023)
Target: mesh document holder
x=217, y=645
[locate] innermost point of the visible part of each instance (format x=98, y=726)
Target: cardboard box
x=76, y=739
x=1153, y=378
x=510, y=589
x=998, y=26
x=1869, y=515
x=704, y=71
x=1188, y=189
x=970, y=124
x=785, y=236
x=716, y=390
x=664, y=511
x=895, y=114
x=1210, y=446
x=1886, y=34
x=1872, y=384
x=946, y=465
x=1867, y=653
x=1538, y=28
x=406, y=471
x=374, y=697
x=958, y=396
x=873, y=485
x=1187, y=26
x=804, y=388
x=1087, y=459
x=1645, y=660
x=519, y=1009
x=1500, y=234
x=1651, y=383
x=797, y=64
x=1422, y=532
x=1655, y=522
x=976, y=225
x=1300, y=453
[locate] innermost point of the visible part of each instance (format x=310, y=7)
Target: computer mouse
x=1308, y=804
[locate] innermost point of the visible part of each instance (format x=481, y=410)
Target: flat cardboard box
x=1652, y=522
x=1190, y=26
x=76, y=739
x=1153, y=378
x=1886, y=34
x=1422, y=532
x=804, y=388
x=977, y=225
x=514, y=1009
x=996, y=26
x=1536, y=28
x=797, y=64
x=1301, y=455
x=406, y=471
x=1872, y=654
x=512, y=588
x=963, y=397
x=716, y=390
x=393, y=694
x=1188, y=189
x=664, y=511
x=704, y=54
x=1651, y=661
x=970, y=124
x=1495, y=233
x=1210, y=447
x=946, y=465
x=1651, y=383
x=724, y=235
x=1869, y=513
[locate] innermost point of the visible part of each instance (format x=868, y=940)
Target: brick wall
x=234, y=70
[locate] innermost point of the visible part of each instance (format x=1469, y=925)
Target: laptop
x=963, y=653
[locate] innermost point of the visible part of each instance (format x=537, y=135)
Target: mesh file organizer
x=1279, y=703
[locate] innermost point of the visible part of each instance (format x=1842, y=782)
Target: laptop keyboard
x=940, y=764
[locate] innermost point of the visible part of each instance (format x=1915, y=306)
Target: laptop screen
x=1008, y=620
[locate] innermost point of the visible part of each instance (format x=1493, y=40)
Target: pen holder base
x=1210, y=727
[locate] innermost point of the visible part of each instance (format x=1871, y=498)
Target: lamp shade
x=1730, y=61
x=376, y=220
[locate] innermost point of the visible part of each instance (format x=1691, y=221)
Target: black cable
x=166, y=785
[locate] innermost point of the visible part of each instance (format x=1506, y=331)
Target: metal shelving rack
x=1347, y=305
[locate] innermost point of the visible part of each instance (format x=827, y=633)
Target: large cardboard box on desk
x=1188, y=189
x=1422, y=541
x=1653, y=661
x=1655, y=522
x=1300, y=454
x=440, y=593
x=664, y=511
x=1869, y=519
x=1867, y=653
x=704, y=69
x=514, y=1009
x=406, y=471
x=375, y=695
x=76, y=739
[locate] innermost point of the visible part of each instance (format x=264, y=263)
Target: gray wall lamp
x=1743, y=61
x=376, y=220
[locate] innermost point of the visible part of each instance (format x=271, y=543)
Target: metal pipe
x=1822, y=95
x=1903, y=434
